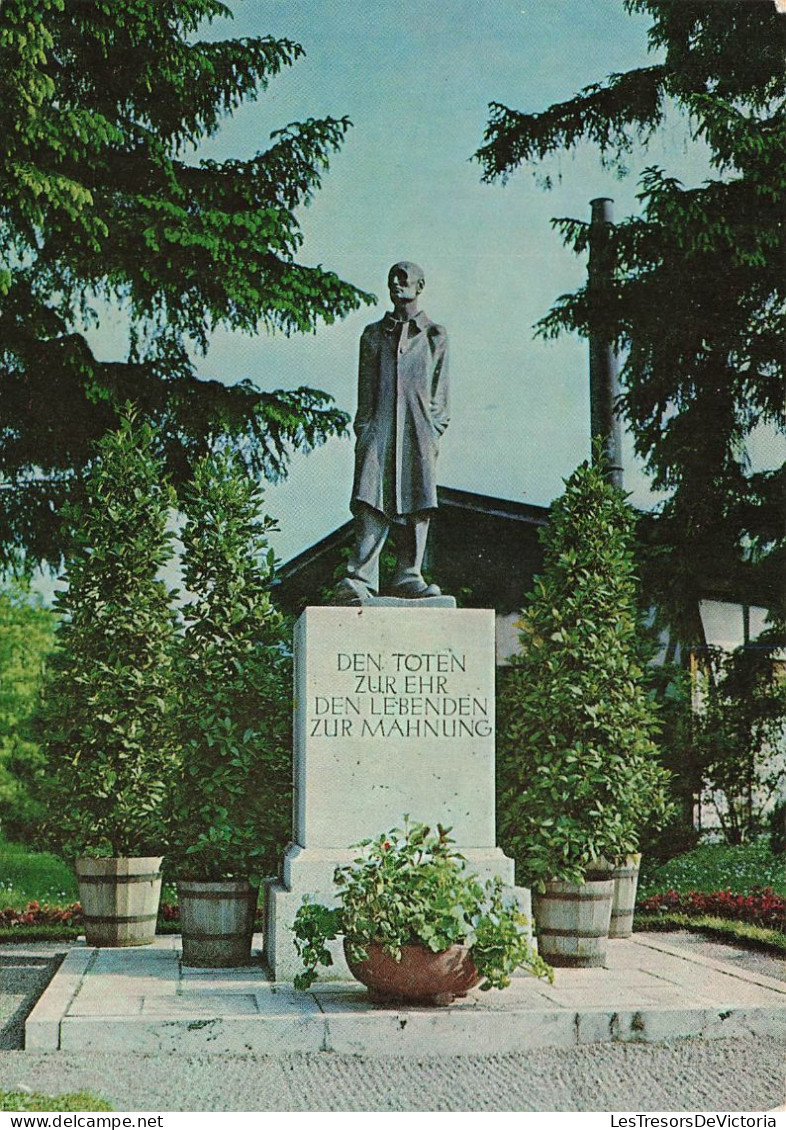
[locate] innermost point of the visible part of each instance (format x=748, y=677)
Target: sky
x=416, y=77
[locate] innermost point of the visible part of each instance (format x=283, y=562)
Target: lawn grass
x=38, y=876
x=33, y=1100
x=34, y=876
x=43, y=933
x=717, y=867
x=720, y=929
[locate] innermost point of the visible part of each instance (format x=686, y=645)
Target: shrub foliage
x=108, y=692
x=26, y=640
x=411, y=887
x=579, y=768
x=233, y=805
x=740, y=738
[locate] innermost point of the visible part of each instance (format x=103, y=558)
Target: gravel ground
x=725, y=1075
x=25, y=971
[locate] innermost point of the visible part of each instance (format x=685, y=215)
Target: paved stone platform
x=145, y=1000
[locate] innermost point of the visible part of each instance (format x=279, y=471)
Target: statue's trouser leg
x=371, y=531
x=411, y=550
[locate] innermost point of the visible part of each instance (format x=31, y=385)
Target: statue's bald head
x=408, y=268
x=405, y=281
x=405, y=267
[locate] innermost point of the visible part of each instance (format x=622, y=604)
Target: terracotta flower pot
x=421, y=976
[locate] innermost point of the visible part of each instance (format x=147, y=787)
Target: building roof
x=487, y=548
x=486, y=551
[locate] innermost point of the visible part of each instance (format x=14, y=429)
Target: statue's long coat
x=402, y=412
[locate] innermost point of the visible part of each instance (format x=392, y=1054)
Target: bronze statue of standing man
x=402, y=412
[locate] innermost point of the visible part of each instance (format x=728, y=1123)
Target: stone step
x=144, y=1000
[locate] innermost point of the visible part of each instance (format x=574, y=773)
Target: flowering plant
x=762, y=907
x=36, y=914
x=410, y=887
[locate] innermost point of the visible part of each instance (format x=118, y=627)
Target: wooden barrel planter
x=626, y=880
x=573, y=922
x=119, y=899
x=625, y=875
x=217, y=922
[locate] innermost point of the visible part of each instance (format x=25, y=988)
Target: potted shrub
x=416, y=925
x=579, y=774
x=105, y=711
x=232, y=805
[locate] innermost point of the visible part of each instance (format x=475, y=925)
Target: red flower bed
x=34, y=914
x=761, y=908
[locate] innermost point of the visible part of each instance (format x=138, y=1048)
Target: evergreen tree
x=108, y=693
x=26, y=641
x=579, y=772
x=739, y=737
x=697, y=303
x=101, y=199
x=233, y=804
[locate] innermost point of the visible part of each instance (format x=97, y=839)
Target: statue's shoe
x=414, y=590
x=351, y=591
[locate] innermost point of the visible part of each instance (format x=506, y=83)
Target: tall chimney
x=604, y=383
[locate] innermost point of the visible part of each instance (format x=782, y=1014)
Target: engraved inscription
x=400, y=694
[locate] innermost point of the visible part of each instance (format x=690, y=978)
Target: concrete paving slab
x=198, y=986
x=105, y=986
x=283, y=1000
x=667, y=949
x=145, y=960
x=215, y=1035
x=426, y=1033
x=216, y=1004
x=144, y=1000
x=579, y=1000
x=114, y=1005
x=42, y=1029
x=252, y=972
x=349, y=996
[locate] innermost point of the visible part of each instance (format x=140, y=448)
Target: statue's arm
x=366, y=384
x=440, y=411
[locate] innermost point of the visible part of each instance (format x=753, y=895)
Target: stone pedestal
x=394, y=715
